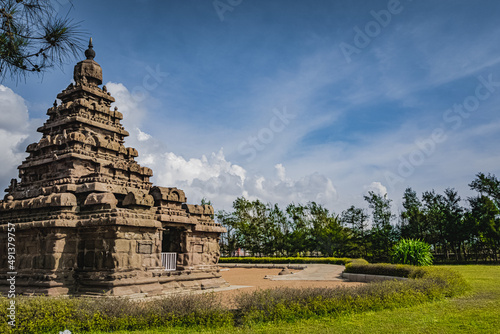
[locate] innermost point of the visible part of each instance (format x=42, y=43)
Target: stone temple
x=87, y=219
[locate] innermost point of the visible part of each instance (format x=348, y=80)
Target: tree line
x=456, y=232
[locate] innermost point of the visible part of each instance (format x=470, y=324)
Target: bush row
x=359, y=266
x=399, y=270
x=285, y=260
x=51, y=315
x=288, y=304
x=451, y=281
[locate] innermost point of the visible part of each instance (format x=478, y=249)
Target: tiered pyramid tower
x=88, y=220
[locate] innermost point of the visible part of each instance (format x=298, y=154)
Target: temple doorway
x=171, y=246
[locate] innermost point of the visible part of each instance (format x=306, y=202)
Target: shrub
x=385, y=269
x=285, y=260
x=357, y=262
x=51, y=315
x=411, y=251
x=450, y=282
x=283, y=304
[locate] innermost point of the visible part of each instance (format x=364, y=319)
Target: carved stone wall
x=88, y=221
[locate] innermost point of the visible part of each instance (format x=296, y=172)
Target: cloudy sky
x=288, y=101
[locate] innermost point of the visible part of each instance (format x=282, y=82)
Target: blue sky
x=289, y=100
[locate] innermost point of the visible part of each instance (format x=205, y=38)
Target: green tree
x=299, y=236
x=412, y=218
x=251, y=218
x=280, y=228
x=436, y=221
x=382, y=234
x=328, y=235
x=486, y=217
x=444, y=218
x=34, y=38
x=454, y=218
x=270, y=231
x=357, y=220
x=231, y=240
x=487, y=185
x=484, y=214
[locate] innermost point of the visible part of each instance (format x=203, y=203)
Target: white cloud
x=351, y=166
x=130, y=104
x=14, y=126
x=313, y=187
x=377, y=188
x=173, y=168
x=280, y=170
x=212, y=176
x=14, y=113
x=221, y=181
x=142, y=136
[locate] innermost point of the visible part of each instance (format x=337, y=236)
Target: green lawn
x=477, y=312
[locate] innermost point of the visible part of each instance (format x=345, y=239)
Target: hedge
x=285, y=260
x=386, y=269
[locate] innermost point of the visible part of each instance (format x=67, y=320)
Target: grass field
x=476, y=312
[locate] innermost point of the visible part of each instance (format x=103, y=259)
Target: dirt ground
x=253, y=279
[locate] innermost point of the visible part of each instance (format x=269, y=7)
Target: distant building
x=86, y=218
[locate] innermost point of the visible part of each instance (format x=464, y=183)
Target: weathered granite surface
x=88, y=220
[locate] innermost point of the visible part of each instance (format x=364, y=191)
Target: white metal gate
x=169, y=261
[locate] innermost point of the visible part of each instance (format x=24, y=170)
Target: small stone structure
x=88, y=221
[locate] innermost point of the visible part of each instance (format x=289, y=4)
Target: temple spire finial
x=90, y=53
